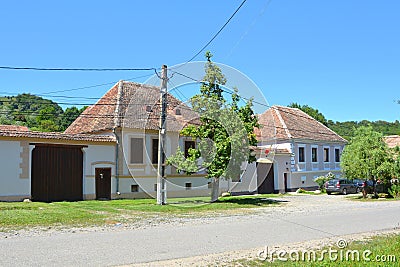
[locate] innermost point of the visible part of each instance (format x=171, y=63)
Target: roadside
x=299, y=218
x=244, y=257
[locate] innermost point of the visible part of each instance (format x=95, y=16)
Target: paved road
x=303, y=218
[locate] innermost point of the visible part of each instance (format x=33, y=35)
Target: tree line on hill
x=37, y=113
x=347, y=129
x=40, y=114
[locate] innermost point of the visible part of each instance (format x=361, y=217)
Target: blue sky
x=341, y=57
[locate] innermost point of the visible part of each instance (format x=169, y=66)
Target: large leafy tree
x=366, y=156
x=225, y=131
x=38, y=113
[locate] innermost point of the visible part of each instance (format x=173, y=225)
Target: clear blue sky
x=339, y=56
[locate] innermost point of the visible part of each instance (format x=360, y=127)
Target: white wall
x=10, y=182
x=97, y=156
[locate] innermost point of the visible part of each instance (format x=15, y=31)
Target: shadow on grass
x=256, y=201
x=246, y=201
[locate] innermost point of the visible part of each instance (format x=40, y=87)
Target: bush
x=394, y=190
x=300, y=191
x=322, y=180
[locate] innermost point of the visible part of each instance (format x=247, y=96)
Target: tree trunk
x=214, y=189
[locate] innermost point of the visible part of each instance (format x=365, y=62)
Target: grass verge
x=17, y=215
x=378, y=251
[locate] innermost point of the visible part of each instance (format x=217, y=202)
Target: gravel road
x=204, y=240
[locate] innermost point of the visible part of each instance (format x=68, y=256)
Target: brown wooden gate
x=103, y=183
x=265, y=178
x=57, y=173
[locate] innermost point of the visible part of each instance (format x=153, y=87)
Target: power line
x=219, y=31
x=96, y=85
x=75, y=69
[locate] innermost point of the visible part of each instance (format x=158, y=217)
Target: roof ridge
x=117, y=121
x=282, y=122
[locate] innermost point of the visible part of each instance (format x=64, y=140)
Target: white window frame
x=329, y=154
x=304, y=154
x=340, y=152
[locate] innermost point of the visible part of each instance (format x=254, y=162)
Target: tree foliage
x=367, y=156
x=225, y=131
x=38, y=113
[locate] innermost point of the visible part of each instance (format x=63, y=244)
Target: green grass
x=383, y=246
x=18, y=215
x=370, y=198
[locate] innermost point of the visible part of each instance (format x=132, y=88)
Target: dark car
x=360, y=183
x=369, y=185
x=341, y=186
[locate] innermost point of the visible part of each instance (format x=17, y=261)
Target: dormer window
x=178, y=111
x=149, y=109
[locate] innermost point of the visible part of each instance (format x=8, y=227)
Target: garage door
x=57, y=173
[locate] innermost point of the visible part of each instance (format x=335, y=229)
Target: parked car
x=360, y=184
x=368, y=187
x=341, y=186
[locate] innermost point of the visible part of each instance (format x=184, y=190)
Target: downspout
x=116, y=161
x=117, y=124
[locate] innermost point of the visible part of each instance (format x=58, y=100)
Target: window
x=314, y=154
x=154, y=151
x=337, y=155
x=326, y=154
x=301, y=154
x=188, y=186
x=209, y=185
x=134, y=188
x=137, y=150
x=155, y=187
x=188, y=145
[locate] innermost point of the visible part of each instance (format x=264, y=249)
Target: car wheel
x=344, y=191
x=328, y=193
x=358, y=190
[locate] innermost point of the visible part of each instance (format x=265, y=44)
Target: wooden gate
x=57, y=173
x=265, y=178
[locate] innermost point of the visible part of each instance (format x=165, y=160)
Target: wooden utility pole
x=161, y=180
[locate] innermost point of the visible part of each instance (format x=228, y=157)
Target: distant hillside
x=346, y=129
x=37, y=113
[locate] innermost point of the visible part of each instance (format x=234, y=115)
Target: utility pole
x=161, y=180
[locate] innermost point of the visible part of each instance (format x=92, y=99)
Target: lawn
x=379, y=251
x=16, y=215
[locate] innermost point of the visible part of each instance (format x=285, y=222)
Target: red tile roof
x=392, y=140
x=131, y=105
x=56, y=136
x=14, y=128
x=291, y=123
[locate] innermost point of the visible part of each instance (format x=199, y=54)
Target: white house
x=297, y=149
x=129, y=112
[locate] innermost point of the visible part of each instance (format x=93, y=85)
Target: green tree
x=314, y=113
x=366, y=155
x=69, y=116
x=225, y=132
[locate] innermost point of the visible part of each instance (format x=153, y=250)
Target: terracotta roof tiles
x=291, y=123
x=131, y=105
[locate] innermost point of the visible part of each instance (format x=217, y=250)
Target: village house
x=110, y=151
x=294, y=149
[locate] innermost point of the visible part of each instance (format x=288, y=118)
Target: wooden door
x=265, y=178
x=103, y=183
